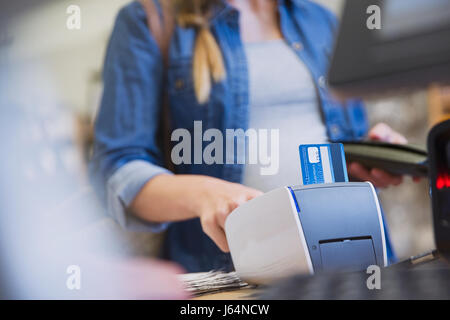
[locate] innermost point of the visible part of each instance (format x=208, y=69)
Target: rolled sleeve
x=123, y=187
x=126, y=151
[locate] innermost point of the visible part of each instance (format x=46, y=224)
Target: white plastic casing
x=266, y=239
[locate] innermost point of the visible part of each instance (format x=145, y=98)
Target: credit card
x=322, y=163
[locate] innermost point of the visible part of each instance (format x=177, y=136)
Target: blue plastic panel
x=339, y=211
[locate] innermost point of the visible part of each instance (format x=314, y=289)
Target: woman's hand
x=181, y=197
x=379, y=178
x=218, y=199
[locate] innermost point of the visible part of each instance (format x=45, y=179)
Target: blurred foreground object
x=44, y=209
x=44, y=206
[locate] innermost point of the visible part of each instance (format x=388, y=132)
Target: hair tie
x=189, y=19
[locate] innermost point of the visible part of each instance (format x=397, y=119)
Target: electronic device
x=439, y=159
x=410, y=49
x=307, y=229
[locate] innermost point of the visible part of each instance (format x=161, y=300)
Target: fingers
x=213, y=213
x=215, y=232
x=224, y=210
x=378, y=177
x=384, y=179
x=358, y=171
x=382, y=132
x=252, y=193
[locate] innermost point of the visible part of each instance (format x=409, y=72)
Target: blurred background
x=74, y=58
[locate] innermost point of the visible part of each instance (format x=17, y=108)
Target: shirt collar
x=225, y=7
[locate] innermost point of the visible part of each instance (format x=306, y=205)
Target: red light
x=443, y=181
x=440, y=183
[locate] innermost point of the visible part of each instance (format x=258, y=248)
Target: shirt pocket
x=180, y=80
x=183, y=103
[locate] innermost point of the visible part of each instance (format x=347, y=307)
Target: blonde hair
x=208, y=62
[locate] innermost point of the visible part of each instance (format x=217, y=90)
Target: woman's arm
x=126, y=151
x=180, y=197
x=127, y=160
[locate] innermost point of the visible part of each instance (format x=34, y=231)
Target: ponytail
x=208, y=60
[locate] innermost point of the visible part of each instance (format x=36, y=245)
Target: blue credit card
x=322, y=163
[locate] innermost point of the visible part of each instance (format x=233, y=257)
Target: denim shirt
x=135, y=81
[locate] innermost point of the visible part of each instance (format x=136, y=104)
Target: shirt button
x=297, y=46
x=322, y=82
x=179, y=84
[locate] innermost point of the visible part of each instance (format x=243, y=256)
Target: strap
x=161, y=26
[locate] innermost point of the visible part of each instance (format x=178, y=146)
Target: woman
x=235, y=64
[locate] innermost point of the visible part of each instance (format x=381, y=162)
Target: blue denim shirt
x=129, y=118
